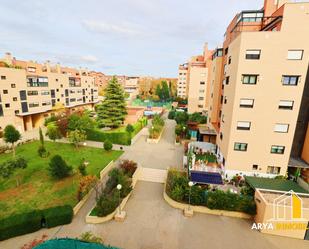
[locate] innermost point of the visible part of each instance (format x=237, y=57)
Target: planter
x=202, y=209
x=103, y=173
x=96, y=219
x=155, y=141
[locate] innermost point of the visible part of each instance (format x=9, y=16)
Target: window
x=72, y=100
x=1, y=111
x=200, y=106
x=202, y=83
x=249, y=79
x=286, y=104
x=243, y=125
x=3, y=77
x=221, y=135
x=250, y=17
x=282, y=128
x=246, y=103
x=201, y=91
x=295, y=54
x=45, y=103
x=224, y=69
x=13, y=86
x=290, y=80
x=31, y=93
x=34, y=104
x=227, y=80
x=273, y=170
x=225, y=100
x=31, y=69
x=226, y=51
x=5, y=91
x=45, y=92
x=14, y=98
x=16, y=112
x=34, y=81
x=255, y=167
x=240, y=146
x=276, y=149
x=7, y=105
x=230, y=60
x=201, y=98
x=253, y=54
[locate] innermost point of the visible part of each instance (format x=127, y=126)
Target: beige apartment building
x=193, y=81
x=30, y=92
x=182, y=86
x=258, y=97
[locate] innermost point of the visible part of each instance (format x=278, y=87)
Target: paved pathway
x=152, y=224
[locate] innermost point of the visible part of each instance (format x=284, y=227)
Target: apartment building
x=258, y=85
x=182, y=86
x=30, y=92
x=193, y=81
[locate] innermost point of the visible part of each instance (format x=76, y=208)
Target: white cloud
x=126, y=29
x=89, y=58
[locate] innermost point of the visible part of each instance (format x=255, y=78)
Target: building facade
x=182, y=81
x=258, y=98
x=30, y=92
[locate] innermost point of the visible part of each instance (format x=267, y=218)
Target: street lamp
x=190, y=186
x=183, y=133
x=119, y=187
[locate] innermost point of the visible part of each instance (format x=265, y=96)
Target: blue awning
x=206, y=177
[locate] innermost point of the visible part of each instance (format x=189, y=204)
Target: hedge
x=29, y=222
x=115, y=137
x=59, y=215
x=20, y=224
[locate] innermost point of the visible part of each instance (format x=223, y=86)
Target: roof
x=298, y=163
x=70, y=244
x=274, y=184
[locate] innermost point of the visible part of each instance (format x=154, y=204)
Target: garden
x=178, y=189
x=109, y=197
x=42, y=183
x=156, y=127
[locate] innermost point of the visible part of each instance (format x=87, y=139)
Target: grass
x=274, y=184
x=37, y=188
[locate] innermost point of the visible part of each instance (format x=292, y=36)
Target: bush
x=50, y=120
x=129, y=128
x=197, y=117
x=20, y=224
x=85, y=185
x=90, y=237
x=107, y=204
x=59, y=168
x=107, y=145
x=42, y=151
x=128, y=166
x=82, y=169
x=59, y=215
x=122, y=138
x=181, y=117
x=171, y=115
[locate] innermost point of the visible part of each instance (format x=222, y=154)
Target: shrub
x=171, y=115
x=128, y=166
x=117, y=176
x=82, y=168
x=53, y=132
x=20, y=224
x=50, y=120
x=129, y=128
x=42, y=151
x=76, y=137
x=85, y=185
x=90, y=237
x=197, y=117
x=181, y=117
x=107, y=145
x=59, y=215
x=122, y=138
x=107, y=204
x=59, y=168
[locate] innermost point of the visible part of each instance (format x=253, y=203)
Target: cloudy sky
x=132, y=37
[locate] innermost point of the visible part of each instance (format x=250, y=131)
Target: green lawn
x=37, y=188
x=274, y=184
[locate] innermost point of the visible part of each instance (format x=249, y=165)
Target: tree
x=76, y=137
x=58, y=168
x=41, y=150
x=112, y=111
x=11, y=135
x=130, y=129
x=108, y=145
x=181, y=117
x=81, y=123
x=53, y=132
x=8, y=168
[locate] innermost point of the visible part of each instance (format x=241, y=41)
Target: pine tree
x=112, y=111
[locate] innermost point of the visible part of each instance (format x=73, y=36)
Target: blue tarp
x=70, y=244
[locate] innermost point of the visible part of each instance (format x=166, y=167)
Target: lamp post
x=183, y=131
x=119, y=187
x=190, y=186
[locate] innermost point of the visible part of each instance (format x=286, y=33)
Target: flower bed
x=177, y=189
x=108, y=200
